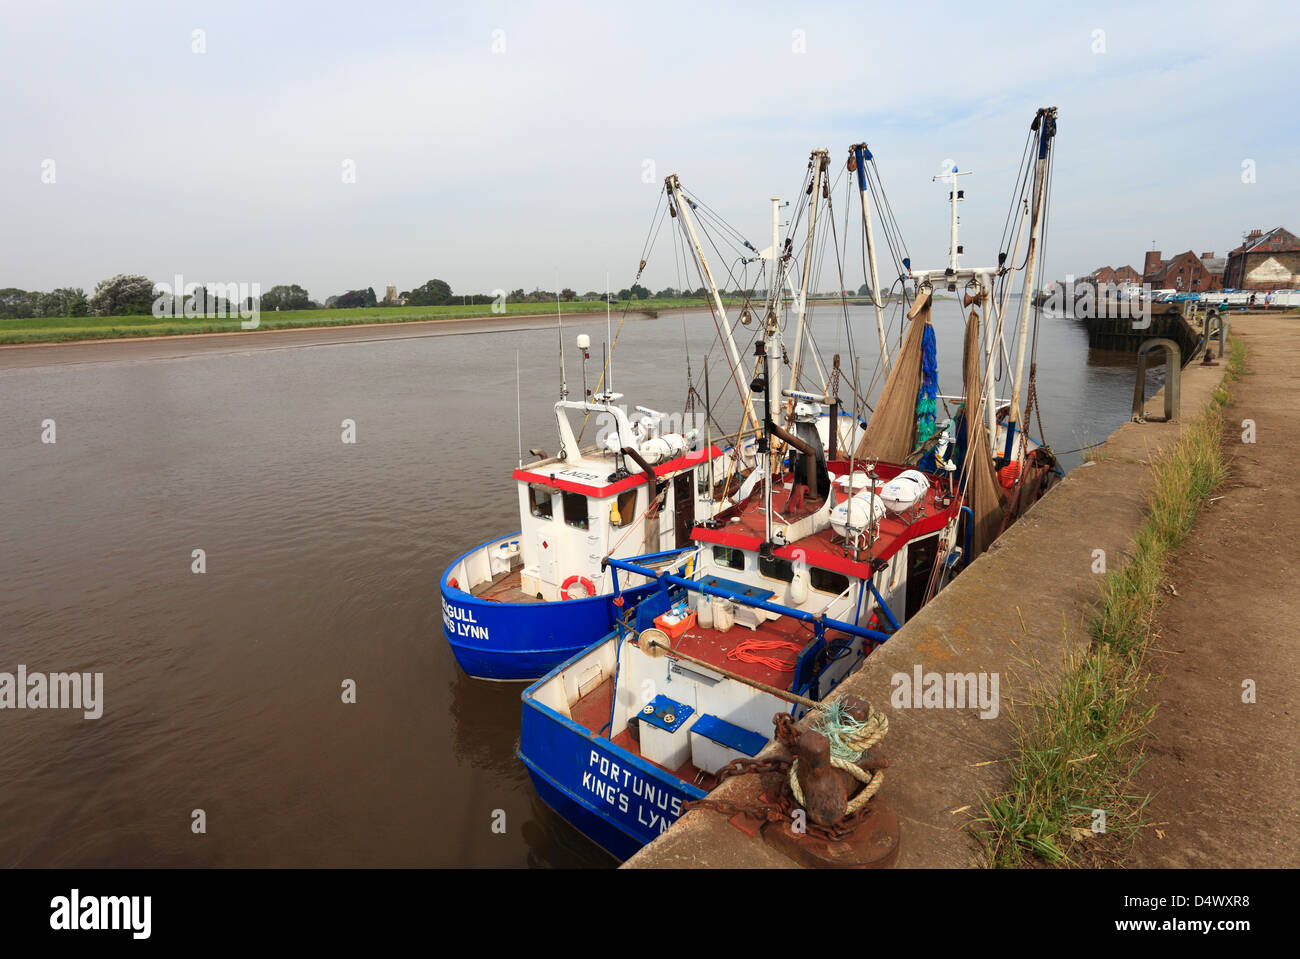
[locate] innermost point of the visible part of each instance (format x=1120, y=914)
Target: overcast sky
x=524, y=166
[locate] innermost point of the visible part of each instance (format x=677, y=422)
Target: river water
x=223, y=690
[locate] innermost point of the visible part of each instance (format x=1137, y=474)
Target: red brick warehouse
x=1186, y=272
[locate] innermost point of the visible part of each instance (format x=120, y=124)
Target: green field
x=52, y=329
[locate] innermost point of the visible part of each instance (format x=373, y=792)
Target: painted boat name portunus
x=656, y=806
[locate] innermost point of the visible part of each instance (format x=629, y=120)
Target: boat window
x=776, y=568
x=575, y=510
x=539, y=498
x=626, y=508
x=729, y=557
x=826, y=581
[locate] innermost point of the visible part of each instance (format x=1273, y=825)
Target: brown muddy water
x=222, y=691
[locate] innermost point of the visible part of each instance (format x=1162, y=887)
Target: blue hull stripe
x=581, y=816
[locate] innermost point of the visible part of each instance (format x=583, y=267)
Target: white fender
x=799, y=587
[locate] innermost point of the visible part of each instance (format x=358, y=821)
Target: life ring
x=586, y=584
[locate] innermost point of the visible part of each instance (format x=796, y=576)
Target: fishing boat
x=521, y=603
x=781, y=595
x=515, y=606
x=784, y=593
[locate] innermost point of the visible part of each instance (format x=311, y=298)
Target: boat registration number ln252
x=459, y=621
x=622, y=787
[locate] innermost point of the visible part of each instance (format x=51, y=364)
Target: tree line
x=132, y=294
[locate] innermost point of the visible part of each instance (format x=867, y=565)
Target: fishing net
x=891, y=432
x=983, y=495
x=925, y=396
x=927, y=404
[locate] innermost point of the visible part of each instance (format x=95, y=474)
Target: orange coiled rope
x=750, y=651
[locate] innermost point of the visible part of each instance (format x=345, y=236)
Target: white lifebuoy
x=586, y=584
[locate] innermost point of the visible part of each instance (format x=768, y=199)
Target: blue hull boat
x=518, y=641
x=517, y=606
x=616, y=799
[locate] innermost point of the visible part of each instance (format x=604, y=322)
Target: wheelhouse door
x=920, y=564
x=545, y=557
x=684, y=506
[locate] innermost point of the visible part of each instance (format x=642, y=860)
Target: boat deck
x=592, y=711
x=894, y=529
x=504, y=588
x=713, y=646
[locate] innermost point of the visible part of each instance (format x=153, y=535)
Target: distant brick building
x=1126, y=274
x=1186, y=272
x=1122, y=277
x=1266, y=261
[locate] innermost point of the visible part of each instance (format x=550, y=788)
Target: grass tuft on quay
x=1078, y=746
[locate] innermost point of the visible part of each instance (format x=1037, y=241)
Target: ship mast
x=681, y=207
x=770, y=349
x=1045, y=124
x=860, y=156
x=818, y=161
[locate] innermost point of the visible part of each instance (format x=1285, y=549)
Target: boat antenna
x=708, y=431
x=609, y=339
x=519, y=410
x=559, y=319
x=853, y=466
x=955, y=196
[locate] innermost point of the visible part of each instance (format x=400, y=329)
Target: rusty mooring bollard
x=825, y=788
x=864, y=840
